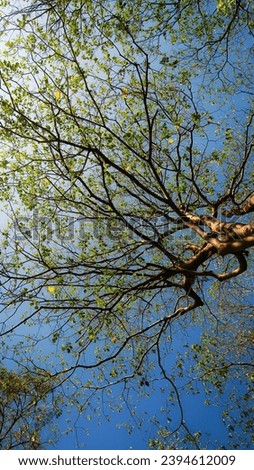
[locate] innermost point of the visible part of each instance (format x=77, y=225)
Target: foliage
x=126, y=164
x=223, y=364
x=24, y=410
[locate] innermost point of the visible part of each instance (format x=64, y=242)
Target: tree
x=222, y=363
x=127, y=138
x=24, y=409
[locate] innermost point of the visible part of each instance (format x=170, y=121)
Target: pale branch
x=239, y=270
x=241, y=209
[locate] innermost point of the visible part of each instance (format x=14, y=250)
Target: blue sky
x=102, y=434
x=108, y=435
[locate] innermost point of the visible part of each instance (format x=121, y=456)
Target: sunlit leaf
x=51, y=289
x=58, y=95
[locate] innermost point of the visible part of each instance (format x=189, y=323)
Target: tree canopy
x=24, y=409
x=127, y=177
